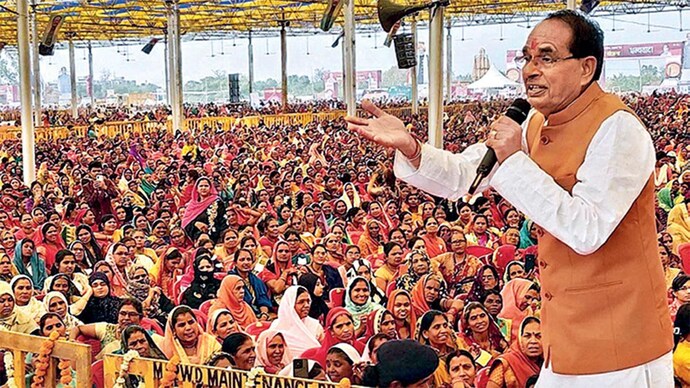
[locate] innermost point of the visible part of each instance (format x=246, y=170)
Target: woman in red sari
x=48, y=239
x=376, y=213
x=340, y=328
x=522, y=361
x=434, y=244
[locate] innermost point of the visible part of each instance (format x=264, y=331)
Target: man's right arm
x=443, y=173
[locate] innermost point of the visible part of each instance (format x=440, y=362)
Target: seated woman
x=204, y=285
x=185, y=339
x=362, y=268
x=319, y=308
x=205, y=212
x=344, y=362
x=102, y=306
x=65, y=263
x=55, y=302
x=165, y=272
x=24, y=300
x=429, y=294
x=389, y=271
x=300, y=331
x=340, y=328
x=481, y=336
x=255, y=291
x=514, y=270
x=25, y=258
x=240, y=347
x=462, y=369
x=11, y=319
x=380, y=322
x=272, y=352
x=134, y=337
x=49, y=323
x=231, y=298
x=221, y=324
x=129, y=312
x=359, y=303
x=519, y=296
x=418, y=264
x=330, y=277
x=156, y=303
x=522, y=361
x=434, y=330
x=400, y=304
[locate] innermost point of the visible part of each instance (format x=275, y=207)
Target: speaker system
x=405, y=51
x=234, y=87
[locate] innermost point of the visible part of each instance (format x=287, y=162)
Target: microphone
x=517, y=112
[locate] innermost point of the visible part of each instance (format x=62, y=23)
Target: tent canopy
x=118, y=20
x=493, y=79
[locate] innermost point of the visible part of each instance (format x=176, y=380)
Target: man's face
x=552, y=81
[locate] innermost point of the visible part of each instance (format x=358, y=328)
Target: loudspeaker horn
x=390, y=12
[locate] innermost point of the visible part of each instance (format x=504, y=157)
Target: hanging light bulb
x=213, y=55
x=222, y=48
x=308, y=53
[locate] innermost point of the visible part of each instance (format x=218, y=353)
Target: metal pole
x=166, y=64
x=92, y=94
x=169, y=58
x=350, y=74
x=436, y=77
x=413, y=72
x=449, y=63
x=571, y=4
x=175, y=63
x=250, y=53
x=23, y=48
x=283, y=65
x=35, y=41
x=73, y=80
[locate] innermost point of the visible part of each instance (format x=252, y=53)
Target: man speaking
x=581, y=168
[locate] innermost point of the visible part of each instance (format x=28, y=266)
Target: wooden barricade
x=190, y=376
x=21, y=344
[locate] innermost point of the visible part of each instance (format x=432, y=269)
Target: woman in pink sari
x=518, y=294
x=205, y=211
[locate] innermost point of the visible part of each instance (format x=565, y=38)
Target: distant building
x=481, y=65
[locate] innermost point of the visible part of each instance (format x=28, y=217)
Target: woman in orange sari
x=400, y=304
x=434, y=244
x=165, y=272
x=371, y=241
x=231, y=297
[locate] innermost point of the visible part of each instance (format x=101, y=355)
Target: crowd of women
x=260, y=246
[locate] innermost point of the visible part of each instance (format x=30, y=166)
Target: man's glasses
x=540, y=61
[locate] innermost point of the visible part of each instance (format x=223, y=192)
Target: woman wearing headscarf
x=134, y=337
x=55, y=302
x=400, y=304
x=371, y=241
x=319, y=308
x=342, y=362
x=350, y=196
x=24, y=300
x=185, y=339
x=231, y=297
x=7, y=268
x=527, y=238
x=418, y=264
x=362, y=268
x=166, y=270
x=300, y=331
x=204, y=286
x=271, y=351
x=93, y=251
x=102, y=306
x=155, y=303
x=339, y=329
x=487, y=278
x=517, y=296
x=380, y=321
x=204, y=212
x=523, y=360
x=429, y=294
x=376, y=213
x=28, y=263
x=481, y=334
x=435, y=245
x=221, y=324
x=359, y=304
x=11, y=319
x=48, y=238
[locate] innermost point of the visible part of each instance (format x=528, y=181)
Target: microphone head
x=518, y=110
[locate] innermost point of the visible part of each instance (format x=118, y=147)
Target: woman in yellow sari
x=185, y=339
x=679, y=221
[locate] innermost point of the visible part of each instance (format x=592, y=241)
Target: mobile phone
x=530, y=260
x=300, y=368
